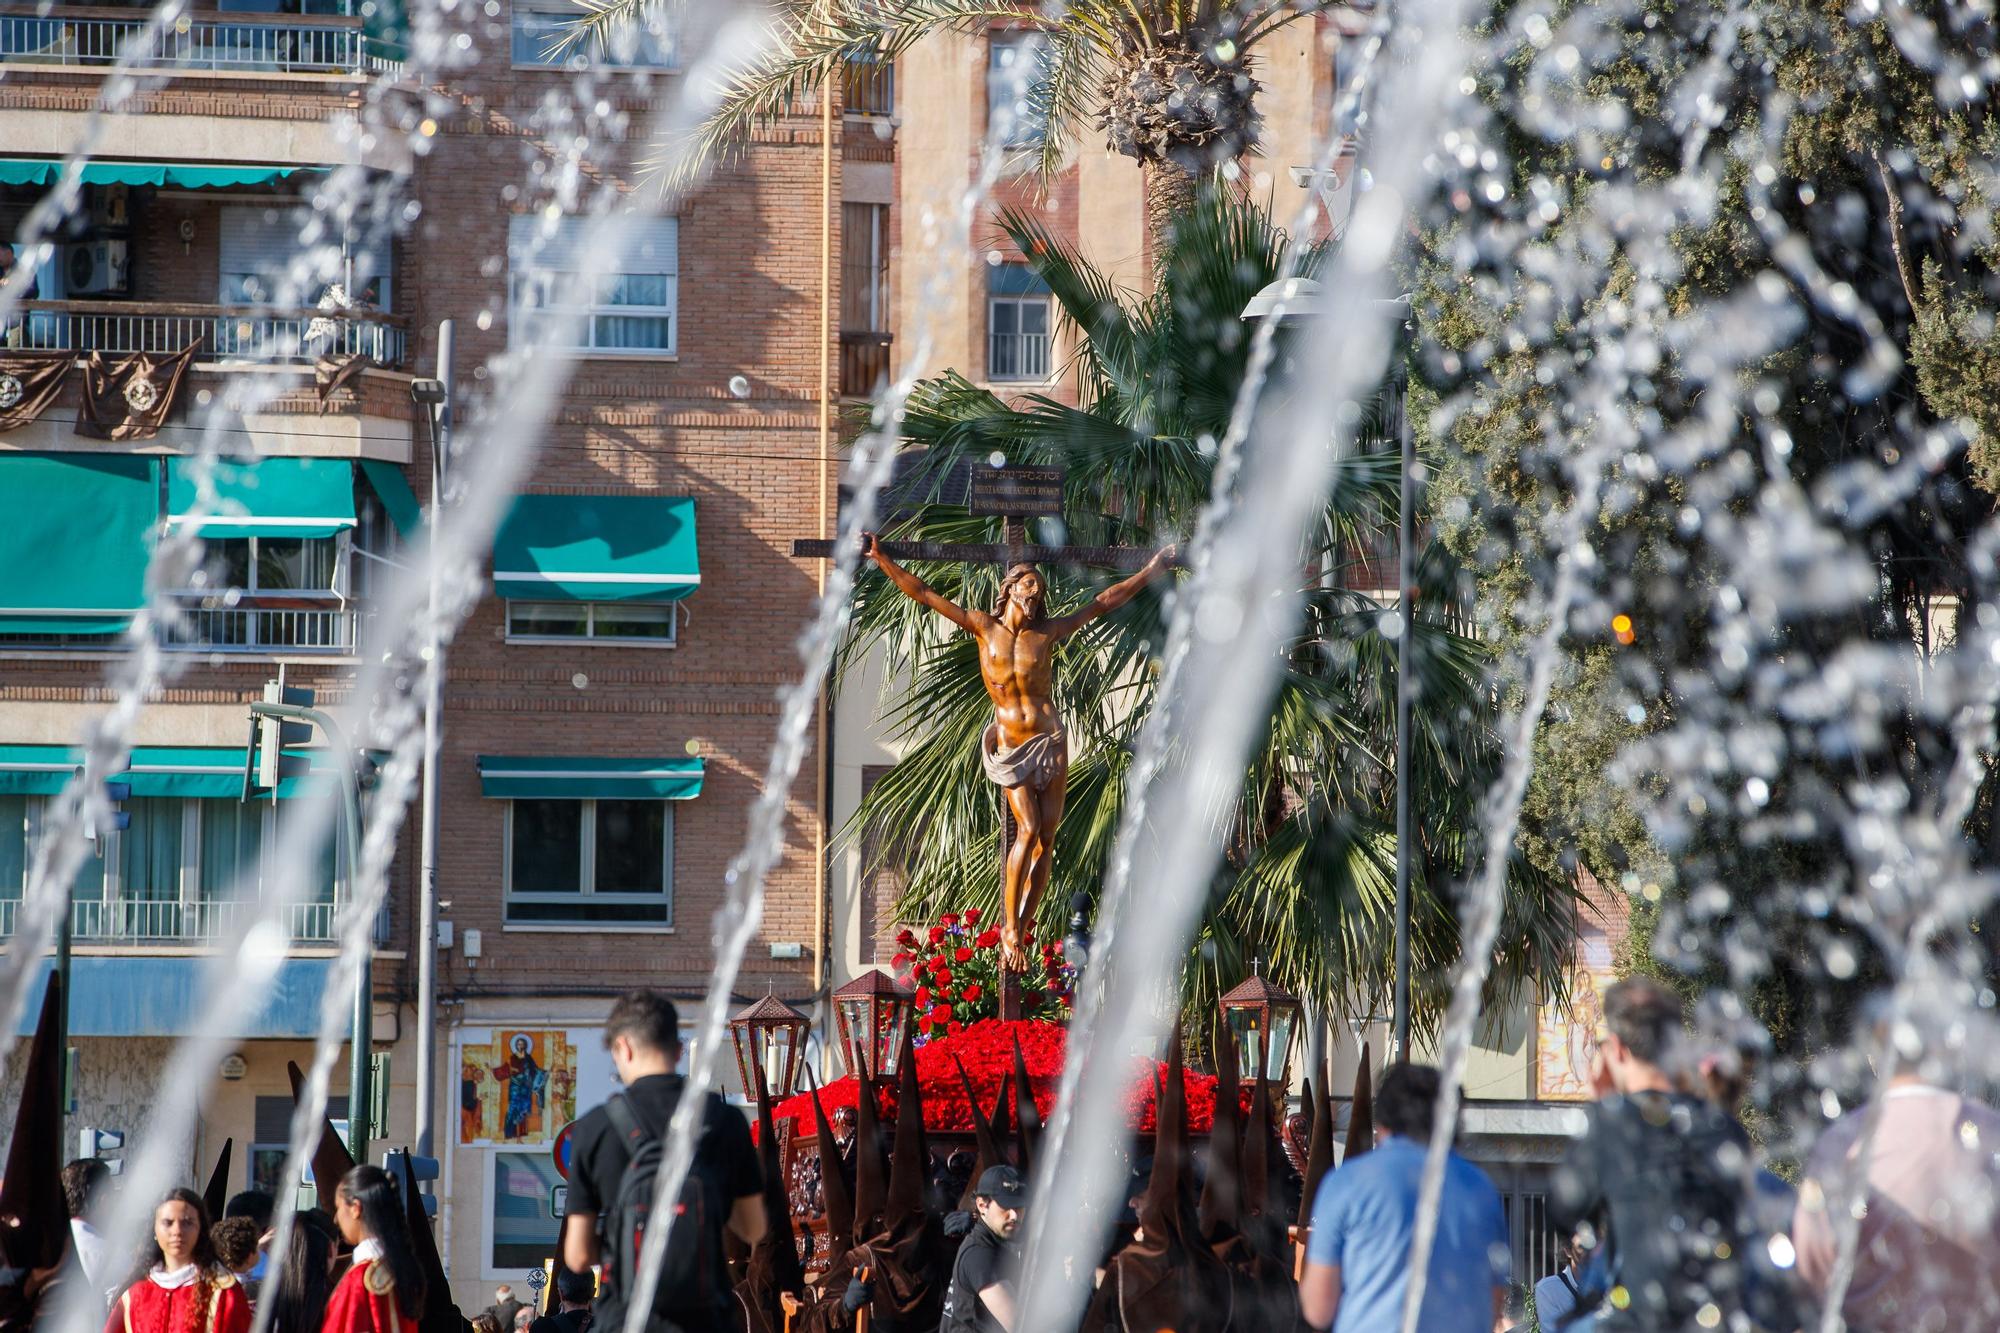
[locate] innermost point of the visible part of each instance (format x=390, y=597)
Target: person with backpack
x=616, y=1154
x=572, y=1314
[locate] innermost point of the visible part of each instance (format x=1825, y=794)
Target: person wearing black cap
x=981, y=1298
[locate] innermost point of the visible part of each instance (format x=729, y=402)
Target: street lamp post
x=435, y=397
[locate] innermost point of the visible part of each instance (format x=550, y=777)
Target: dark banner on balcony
x=131, y=398
x=331, y=375
x=30, y=383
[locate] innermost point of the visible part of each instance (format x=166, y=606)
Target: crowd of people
x=1669, y=1222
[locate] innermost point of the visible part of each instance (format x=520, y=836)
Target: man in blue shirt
x=1364, y=1223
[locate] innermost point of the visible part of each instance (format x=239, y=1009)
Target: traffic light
x=93, y=1142
x=422, y=1170
x=272, y=736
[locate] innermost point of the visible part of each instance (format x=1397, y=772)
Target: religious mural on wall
x=518, y=1087
x=1566, y=1037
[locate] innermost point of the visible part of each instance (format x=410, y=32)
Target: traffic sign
x=560, y=1150
x=559, y=1201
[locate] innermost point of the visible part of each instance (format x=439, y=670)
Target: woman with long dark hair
x=384, y=1290
x=298, y=1294
x=179, y=1287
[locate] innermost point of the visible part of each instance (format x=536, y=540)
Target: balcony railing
x=250, y=43
x=260, y=334
x=214, y=623
x=140, y=921
x=864, y=362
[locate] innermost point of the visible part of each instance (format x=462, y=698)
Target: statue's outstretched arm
x=1114, y=596
x=917, y=590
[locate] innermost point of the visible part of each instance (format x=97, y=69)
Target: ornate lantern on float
x=770, y=1035
x=871, y=1011
x=1262, y=1020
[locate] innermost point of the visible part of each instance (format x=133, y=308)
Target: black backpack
x=687, y=1288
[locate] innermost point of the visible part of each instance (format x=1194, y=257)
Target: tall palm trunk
x=1170, y=194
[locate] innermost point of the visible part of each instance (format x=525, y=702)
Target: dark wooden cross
x=1014, y=494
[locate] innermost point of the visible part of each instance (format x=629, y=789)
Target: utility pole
x=435, y=397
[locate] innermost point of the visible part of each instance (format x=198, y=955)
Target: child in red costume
x=180, y=1287
x=383, y=1292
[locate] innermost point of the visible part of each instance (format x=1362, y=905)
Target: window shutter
x=265, y=242
x=274, y=1117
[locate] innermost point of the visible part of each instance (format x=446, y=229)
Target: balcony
x=229, y=333
x=248, y=623
x=139, y=921
x=82, y=37
x=864, y=362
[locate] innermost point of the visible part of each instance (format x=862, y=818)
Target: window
x=273, y=1125
x=1016, y=62
x=864, y=268
x=540, y=25
x=286, y=256
x=590, y=862
x=635, y=623
x=1017, y=324
x=634, y=310
x=299, y=568
x=868, y=86
x=524, y=1227
x=276, y=564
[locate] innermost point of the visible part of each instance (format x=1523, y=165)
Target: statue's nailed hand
x=1164, y=557
x=871, y=548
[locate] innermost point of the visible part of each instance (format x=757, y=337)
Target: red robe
x=365, y=1302
x=148, y=1307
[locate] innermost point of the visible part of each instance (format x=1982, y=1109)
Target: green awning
x=268, y=497
x=597, y=548
x=202, y=772
x=569, y=778
x=46, y=171
x=75, y=534
x=392, y=488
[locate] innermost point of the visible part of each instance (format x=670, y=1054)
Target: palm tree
x=1167, y=82
x=1307, y=882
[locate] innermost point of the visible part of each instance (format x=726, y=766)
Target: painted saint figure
x=527, y=1086
x=1025, y=750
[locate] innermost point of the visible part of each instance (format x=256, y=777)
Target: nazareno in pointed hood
x=871, y=1172
x=986, y=1145
x=1222, y=1192
x=774, y=1260
x=1361, y=1115
x=909, y=1162
x=1163, y=1209
x=1027, y=1119
x=330, y=1159
x=441, y=1313
x=32, y=1208
x=834, y=1198
x=215, y=1195
x=1319, y=1150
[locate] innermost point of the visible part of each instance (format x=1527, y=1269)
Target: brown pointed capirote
x=1027, y=1119
x=1162, y=1209
x=216, y=1193
x=1361, y=1116
x=441, y=1314
x=1319, y=1151
x=1222, y=1191
x=1003, y=1114
x=986, y=1146
x=32, y=1210
x=909, y=1161
x=838, y=1203
x=330, y=1159
x=871, y=1172
x=778, y=1249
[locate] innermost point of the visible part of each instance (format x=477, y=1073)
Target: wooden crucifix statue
x=1025, y=750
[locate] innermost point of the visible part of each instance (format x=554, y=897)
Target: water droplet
x=580, y=680
x=693, y=746
x=739, y=385
x=996, y=459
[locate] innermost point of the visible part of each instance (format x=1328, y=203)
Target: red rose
x=954, y=1028
x=906, y=937
x=972, y=916
x=937, y=934
x=948, y=919
x=923, y=997
x=962, y=954
x=941, y=973
x=971, y=993
x=900, y=961
x=987, y=939
x=941, y=1014
x=937, y=964
x=924, y=1027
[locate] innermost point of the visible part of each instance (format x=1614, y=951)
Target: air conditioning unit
x=111, y=205
x=94, y=268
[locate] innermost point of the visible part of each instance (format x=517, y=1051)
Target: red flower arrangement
x=988, y=1052
x=954, y=968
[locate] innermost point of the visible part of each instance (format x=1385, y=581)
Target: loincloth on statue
x=1033, y=764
